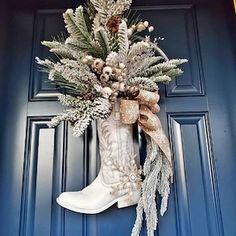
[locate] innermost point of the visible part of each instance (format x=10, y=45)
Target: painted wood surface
x=197, y=111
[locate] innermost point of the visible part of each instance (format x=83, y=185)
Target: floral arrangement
x=106, y=58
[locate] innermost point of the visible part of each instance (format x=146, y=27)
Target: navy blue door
x=197, y=111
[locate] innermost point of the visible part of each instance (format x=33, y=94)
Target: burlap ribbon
x=149, y=121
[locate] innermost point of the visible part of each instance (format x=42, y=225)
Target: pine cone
x=113, y=24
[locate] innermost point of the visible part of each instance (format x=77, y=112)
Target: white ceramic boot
x=119, y=178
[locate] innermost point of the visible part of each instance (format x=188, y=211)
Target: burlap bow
x=148, y=120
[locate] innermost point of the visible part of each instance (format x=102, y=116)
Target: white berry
x=146, y=23
x=151, y=28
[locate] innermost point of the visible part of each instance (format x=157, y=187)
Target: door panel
x=47, y=24
x=197, y=111
x=196, y=194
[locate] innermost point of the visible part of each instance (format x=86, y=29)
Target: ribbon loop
x=150, y=99
x=146, y=103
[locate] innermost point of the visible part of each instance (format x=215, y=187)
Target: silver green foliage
x=158, y=173
x=143, y=61
x=81, y=112
x=143, y=83
x=123, y=42
x=107, y=8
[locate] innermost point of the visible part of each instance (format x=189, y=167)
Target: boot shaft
x=116, y=146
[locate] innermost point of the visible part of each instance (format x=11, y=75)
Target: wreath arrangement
x=105, y=61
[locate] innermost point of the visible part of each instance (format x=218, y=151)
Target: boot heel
x=128, y=200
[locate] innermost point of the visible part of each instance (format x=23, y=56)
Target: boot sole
x=121, y=203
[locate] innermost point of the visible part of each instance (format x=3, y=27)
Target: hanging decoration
x=104, y=60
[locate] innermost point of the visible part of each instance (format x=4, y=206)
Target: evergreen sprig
x=123, y=41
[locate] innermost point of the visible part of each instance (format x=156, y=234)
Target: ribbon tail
x=151, y=125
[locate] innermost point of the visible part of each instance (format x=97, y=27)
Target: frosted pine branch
x=59, y=48
x=103, y=40
x=46, y=62
x=161, y=79
x=112, y=59
x=174, y=72
x=138, y=48
x=178, y=62
x=139, y=219
x=123, y=41
x=72, y=25
x=119, y=7
x=81, y=124
x=141, y=64
x=78, y=30
x=143, y=83
x=102, y=7
x=101, y=108
x=70, y=114
x=81, y=113
x=157, y=172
